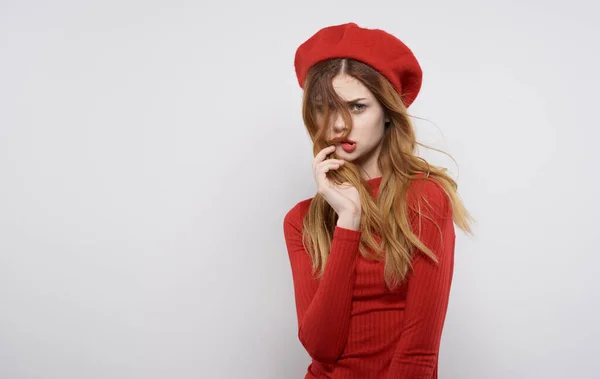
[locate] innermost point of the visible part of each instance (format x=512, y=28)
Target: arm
x=323, y=307
x=428, y=290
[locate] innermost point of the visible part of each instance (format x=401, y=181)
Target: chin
x=350, y=157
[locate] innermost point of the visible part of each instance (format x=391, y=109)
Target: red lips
x=348, y=148
x=348, y=145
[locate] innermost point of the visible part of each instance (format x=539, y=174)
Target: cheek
x=370, y=129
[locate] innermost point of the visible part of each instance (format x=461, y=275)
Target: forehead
x=349, y=88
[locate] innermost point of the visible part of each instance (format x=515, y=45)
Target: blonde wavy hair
x=388, y=215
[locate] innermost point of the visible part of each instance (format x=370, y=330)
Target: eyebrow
x=355, y=100
x=318, y=101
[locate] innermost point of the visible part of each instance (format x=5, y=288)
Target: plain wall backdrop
x=149, y=151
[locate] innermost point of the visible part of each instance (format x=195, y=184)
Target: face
x=368, y=116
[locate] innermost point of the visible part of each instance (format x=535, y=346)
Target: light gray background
x=150, y=149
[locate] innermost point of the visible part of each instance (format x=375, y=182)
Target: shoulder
x=421, y=184
x=426, y=193
x=295, y=215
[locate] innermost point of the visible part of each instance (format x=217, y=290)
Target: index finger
x=323, y=153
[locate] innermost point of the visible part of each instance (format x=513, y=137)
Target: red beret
x=374, y=47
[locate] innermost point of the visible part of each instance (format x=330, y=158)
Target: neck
x=369, y=166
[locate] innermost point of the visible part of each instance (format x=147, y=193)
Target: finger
x=328, y=163
x=331, y=160
x=332, y=163
x=323, y=154
x=322, y=170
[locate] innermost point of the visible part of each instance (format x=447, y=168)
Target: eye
x=319, y=107
x=358, y=107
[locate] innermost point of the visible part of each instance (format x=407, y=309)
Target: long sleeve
x=428, y=290
x=323, y=306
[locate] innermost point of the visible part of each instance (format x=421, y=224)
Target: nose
x=339, y=126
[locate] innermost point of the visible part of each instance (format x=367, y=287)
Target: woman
x=372, y=253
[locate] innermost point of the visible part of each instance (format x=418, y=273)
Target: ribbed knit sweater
x=349, y=322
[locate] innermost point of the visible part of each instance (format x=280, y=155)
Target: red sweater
x=350, y=323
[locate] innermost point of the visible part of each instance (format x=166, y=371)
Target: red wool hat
x=375, y=47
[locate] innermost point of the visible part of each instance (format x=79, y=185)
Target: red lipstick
x=348, y=145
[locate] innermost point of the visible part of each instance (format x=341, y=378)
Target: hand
x=343, y=198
